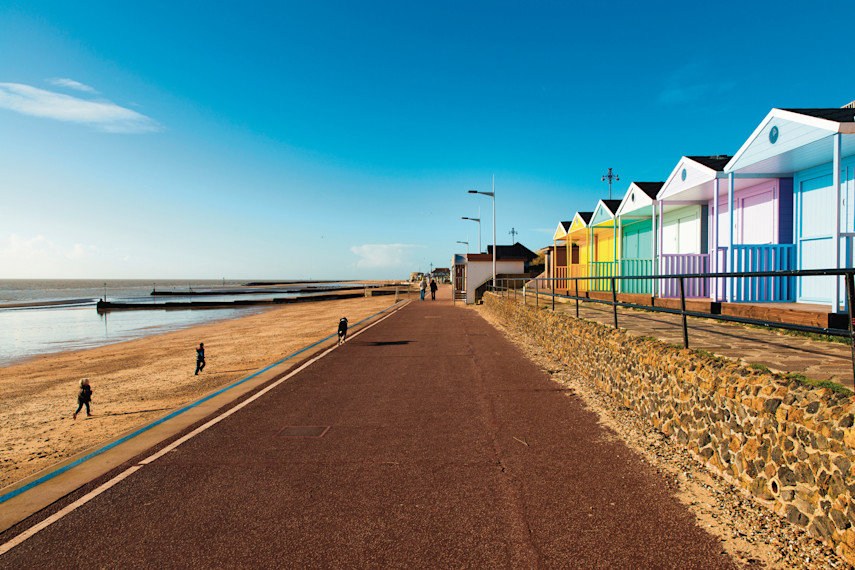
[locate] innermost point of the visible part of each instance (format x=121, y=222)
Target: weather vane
x=610, y=177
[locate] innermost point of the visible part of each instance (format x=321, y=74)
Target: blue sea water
x=31, y=325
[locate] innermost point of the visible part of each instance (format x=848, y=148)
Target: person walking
x=83, y=398
x=423, y=288
x=433, y=287
x=200, y=358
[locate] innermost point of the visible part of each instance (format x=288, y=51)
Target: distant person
x=200, y=358
x=422, y=288
x=342, y=330
x=83, y=398
x=433, y=287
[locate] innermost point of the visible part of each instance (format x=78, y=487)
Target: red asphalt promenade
x=445, y=448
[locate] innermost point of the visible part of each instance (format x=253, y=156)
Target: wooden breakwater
x=104, y=306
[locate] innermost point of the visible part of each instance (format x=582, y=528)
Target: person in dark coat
x=83, y=398
x=342, y=330
x=433, y=287
x=200, y=358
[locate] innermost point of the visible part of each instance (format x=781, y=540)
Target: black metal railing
x=511, y=287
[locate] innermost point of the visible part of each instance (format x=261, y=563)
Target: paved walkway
x=440, y=445
x=780, y=352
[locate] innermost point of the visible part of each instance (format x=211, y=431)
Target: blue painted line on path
x=61, y=470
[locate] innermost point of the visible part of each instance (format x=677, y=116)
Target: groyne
x=787, y=445
x=207, y=304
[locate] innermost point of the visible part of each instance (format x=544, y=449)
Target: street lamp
x=467, y=245
x=479, y=230
x=610, y=177
x=493, y=196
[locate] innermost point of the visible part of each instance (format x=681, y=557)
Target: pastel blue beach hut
x=637, y=229
x=816, y=149
x=684, y=223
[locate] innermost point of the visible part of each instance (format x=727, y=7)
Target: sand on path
x=138, y=381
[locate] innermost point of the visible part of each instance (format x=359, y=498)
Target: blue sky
x=324, y=140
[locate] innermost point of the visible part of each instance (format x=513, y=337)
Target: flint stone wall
x=788, y=445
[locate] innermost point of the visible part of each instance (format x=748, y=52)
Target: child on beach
x=342, y=330
x=83, y=398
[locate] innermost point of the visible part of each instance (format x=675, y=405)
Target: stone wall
x=788, y=445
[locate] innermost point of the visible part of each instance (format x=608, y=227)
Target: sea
x=43, y=316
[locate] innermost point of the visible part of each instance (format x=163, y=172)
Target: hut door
x=815, y=238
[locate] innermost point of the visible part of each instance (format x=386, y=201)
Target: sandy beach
x=139, y=381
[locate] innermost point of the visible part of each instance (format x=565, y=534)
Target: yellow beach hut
x=559, y=255
x=577, y=260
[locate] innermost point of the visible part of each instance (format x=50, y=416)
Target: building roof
x=639, y=199
x=516, y=251
x=845, y=115
x=792, y=140
x=612, y=205
x=716, y=162
x=650, y=188
x=605, y=212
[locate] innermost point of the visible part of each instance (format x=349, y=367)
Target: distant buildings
x=472, y=271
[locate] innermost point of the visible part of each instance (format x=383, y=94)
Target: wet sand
x=139, y=381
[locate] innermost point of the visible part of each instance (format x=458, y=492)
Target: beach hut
x=603, y=252
x=816, y=149
x=578, y=253
x=637, y=230
x=559, y=255
x=683, y=204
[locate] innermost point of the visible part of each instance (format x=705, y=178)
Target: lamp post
x=479, y=230
x=610, y=177
x=467, y=245
x=493, y=196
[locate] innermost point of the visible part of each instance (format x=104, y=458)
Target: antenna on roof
x=513, y=233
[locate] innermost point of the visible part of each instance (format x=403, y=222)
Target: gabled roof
x=844, y=115
x=693, y=177
x=604, y=213
x=716, y=163
x=516, y=251
x=561, y=230
x=580, y=220
x=638, y=200
x=791, y=140
x=650, y=188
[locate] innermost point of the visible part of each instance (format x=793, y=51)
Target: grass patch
x=833, y=386
x=759, y=367
x=802, y=334
x=711, y=356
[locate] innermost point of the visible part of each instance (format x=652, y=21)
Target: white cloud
x=102, y=115
x=71, y=84
x=384, y=255
x=40, y=257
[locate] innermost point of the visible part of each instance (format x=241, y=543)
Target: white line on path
x=6, y=547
